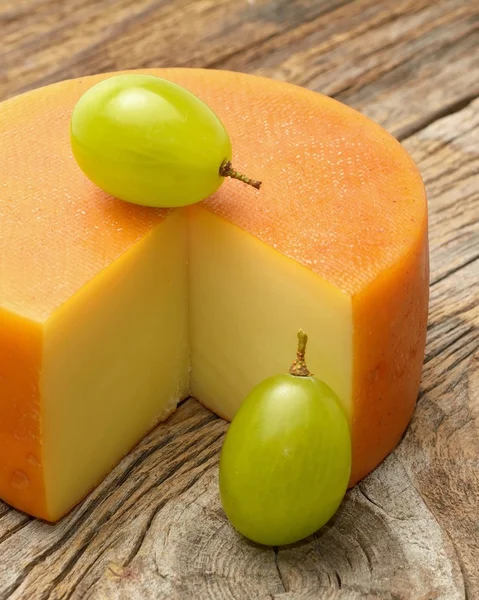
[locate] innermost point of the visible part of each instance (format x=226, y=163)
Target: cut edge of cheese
x=116, y=362
x=247, y=303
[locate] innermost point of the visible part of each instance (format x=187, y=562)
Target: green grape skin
x=286, y=460
x=146, y=140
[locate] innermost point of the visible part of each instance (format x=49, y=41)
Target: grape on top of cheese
x=111, y=313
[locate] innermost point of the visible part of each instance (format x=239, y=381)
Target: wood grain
x=403, y=63
x=154, y=528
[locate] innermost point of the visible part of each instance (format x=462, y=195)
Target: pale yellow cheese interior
x=116, y=361
x=247, y=303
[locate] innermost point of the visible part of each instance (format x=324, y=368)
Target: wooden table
x=155, y=528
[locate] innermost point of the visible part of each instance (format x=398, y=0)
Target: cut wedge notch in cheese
x=111, y=313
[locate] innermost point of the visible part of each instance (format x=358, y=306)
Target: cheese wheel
x=111, y=313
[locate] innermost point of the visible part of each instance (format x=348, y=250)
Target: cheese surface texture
x=111, y=313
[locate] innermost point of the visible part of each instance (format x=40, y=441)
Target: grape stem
x=226, y=170
x=299, y=368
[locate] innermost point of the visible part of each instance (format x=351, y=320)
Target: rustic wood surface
x=155, y=528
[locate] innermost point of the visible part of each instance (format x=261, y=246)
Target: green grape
x=286, y=459
x=149, y=141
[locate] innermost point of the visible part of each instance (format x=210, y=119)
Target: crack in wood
x=464, y=578
x=160, y=505
x=367, y=554
x=338, y=579
x=278, y=569
x=5, y=512
x=85, y=574
x=388, y=69
x=455, y=269
x=428, y=119
x=70, y=564
x=458, y=173
x=138, y=544
x=15, y=529
x=360, y=487
x=217, y=63
x=89, y=590
x=366, y=79
x=461, y=334
x=423, y=497
x=68, y=567
x=349, y=36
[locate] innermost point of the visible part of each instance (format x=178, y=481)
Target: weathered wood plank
x=441, y=449
x=383, y=543
x=403, y=64
x=155, y=528
x=446, y=153
x=84, y=36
